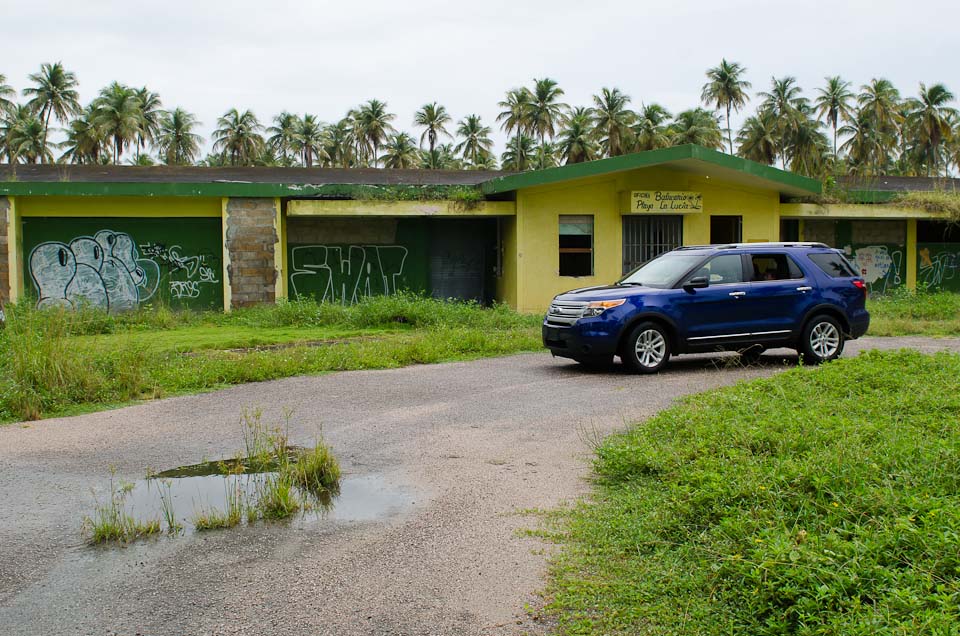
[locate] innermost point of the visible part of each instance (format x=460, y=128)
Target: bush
x=816, y=502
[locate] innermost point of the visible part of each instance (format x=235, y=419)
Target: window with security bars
x=576, y=245
x=646, y=237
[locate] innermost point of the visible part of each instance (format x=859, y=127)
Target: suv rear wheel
x=822, y=340
x=647, y=348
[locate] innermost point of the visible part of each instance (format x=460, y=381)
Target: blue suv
x=739, y=297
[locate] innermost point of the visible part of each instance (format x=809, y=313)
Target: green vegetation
x=273, y=481
x=864, y=131
x=56, y=362
x=905, y=313
x=112, y=522
x=940, y=202
x=818, y=501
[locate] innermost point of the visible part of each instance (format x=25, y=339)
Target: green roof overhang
x=688, y=158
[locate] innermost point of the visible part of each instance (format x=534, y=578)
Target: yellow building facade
x=221, y=238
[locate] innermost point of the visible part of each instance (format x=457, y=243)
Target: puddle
x=199, y=489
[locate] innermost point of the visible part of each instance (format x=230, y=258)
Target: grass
x=57, y=362
x=905, y=313
x=112, y=523
x=818, y=501
x=283, y=480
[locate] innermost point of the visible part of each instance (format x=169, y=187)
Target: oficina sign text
x=665, y=202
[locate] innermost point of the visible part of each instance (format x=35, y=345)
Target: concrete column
x=5, y=247
x=911, y=265
x=252, y=242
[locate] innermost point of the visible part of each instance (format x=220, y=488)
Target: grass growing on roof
x=819, y=501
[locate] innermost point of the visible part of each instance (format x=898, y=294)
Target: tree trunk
x=729, y=129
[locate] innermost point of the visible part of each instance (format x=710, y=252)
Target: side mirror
x=697, y=282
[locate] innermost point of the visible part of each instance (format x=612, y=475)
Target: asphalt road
x=463, y=450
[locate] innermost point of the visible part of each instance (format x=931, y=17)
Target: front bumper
x=571, y=342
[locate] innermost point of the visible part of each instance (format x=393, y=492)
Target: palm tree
x=54, y=95
x=727, y=90
x=575, y=142
x=544, y=157
x=476, y=139
x=150, y=114
x=434, y=119
x=400, y=151
x=238, y=137
x=310, y=140
x=867, y=146
x=758, y=138
x=546, y=110
x=340, y=144
x=782, y=101
x=834, y=104
x=519, y=152
x=443, y=157
x=650, y=130
x=117, y=114
x=25, y=137
x=515, y=117
x=613, y=121
x=281, y=140
x=6, y=92
x=807, y=146
x=374, y=125
x=929, y=120
x=879, y=101
x=696, y=126
x=176, y=141
x=486, y=161
x=85, y=140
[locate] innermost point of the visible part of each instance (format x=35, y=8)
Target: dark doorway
x=646, y=237
x=462, y=258
x=726, y=229
x=789, y=230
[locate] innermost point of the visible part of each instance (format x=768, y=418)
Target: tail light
x=859, y=284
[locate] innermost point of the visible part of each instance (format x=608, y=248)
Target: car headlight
x=597, y=307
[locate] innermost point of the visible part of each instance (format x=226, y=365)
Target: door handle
x=737, y=294
x=804, y=289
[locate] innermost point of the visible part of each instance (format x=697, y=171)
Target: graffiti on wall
x=880, y=265
x=938, y=266
x=110, y=271
x=345, y=273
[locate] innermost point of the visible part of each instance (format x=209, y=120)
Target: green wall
x=122, y=263
x=346, y=272
x=938, y=266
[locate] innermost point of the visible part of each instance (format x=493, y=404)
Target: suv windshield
x=664, y=271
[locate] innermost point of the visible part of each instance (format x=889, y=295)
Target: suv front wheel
x=647, y=348
x=821, y=341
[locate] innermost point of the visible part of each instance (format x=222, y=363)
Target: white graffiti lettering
x=107, y=271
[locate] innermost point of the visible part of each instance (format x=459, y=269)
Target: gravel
x=473, y=446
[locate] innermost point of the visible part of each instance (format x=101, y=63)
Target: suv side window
x=833, y=264
x=723, y=269
x=774, y=267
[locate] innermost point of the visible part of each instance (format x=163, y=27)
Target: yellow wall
x=507, y=281
x=606, y=198
x=118, y=206
x=14, y=250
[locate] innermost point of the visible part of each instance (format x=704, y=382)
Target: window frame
x=576, y=250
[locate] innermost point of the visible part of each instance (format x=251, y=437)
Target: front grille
x=563, y=313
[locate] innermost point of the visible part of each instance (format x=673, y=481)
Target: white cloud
x=324, y=57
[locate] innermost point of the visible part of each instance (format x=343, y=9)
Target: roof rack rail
x=733, y=246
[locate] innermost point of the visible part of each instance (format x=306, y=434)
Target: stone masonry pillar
x=5, y=248
x=252, y=241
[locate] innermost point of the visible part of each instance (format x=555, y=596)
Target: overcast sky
x=324, y=57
